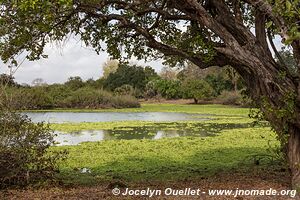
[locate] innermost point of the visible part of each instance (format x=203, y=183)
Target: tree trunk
x=294, y=156
x=271, y=85
x=235, y=85
x=195, y=101
x=273, y=94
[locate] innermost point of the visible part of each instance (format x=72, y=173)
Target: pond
x=75, y=138
x=77, y=117
x=153, y=132
x=165, y=124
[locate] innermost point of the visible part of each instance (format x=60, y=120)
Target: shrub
x=57, y=96
x=124, y=90
x=24, y=149
x=58, y=93
x=150, y=90
x=91, y=98
x=126, y=74
x=218, y=83
x=29, y=98
x=169, y=89
x=230, y=98
x=196, y=89
x=74, y=83
x=125, y=101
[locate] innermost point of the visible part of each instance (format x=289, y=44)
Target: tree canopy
x=133, y=75
x=205, y=32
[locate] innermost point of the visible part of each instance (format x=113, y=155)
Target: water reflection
x=77, y=117
x=93, y=136
x=157, y=131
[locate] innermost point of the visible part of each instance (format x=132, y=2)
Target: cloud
x=73, y=59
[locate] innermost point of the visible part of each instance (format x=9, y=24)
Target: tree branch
x=264, y=7
x=260, y=31
x=274, y=49
x=167, y=50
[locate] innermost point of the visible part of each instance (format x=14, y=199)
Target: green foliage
x=281, y=118
x=169, y=89
x=33, y=23
x=290, y=11
x=151, y=90
x=75, y=93
x=289, y=60
x=218, y=83
x=74, y=83
x=28, y=98
x=62, y=96
x=230, y=98
x=169, y=158
x=58, y=93
x=220, y=79
x=196, y=89
x=125, y=101
x=133, y=75
x=91, y=98
x=124, y=90
x=150, y=73
x=24, y=149
x=7, y=80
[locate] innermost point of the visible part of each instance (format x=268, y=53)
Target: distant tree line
x=75, y=93
x=123, y=83
x=188, y=83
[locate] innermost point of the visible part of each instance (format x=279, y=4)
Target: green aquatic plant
x=169, y=158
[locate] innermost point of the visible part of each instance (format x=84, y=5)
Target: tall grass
x=48, y=98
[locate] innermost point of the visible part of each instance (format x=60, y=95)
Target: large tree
x=204, y=32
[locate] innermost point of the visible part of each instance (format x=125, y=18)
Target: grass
x=167, y=159
x=214, y=109
x=219, y=113
x=121, y=125
x=171, y=159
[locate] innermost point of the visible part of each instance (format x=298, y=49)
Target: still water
x=164, y=125
x=77, y=117
x=156, y=131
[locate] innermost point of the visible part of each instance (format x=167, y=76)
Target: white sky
x=73, y=59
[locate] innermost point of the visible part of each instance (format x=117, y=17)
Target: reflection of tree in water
x=153, y=131
x=163, y=130
x=107, y=135
x=128, y=133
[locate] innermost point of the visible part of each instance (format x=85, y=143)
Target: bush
x=24, y=149
x=150, y=90
x=169, y=89
x=58, y=96
x=125, y=101
x=124, y=90
x=218, y=83
x=29, y=98
x=230, y=98
x=91, y=98
x=196, y=89
x=126, y=74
